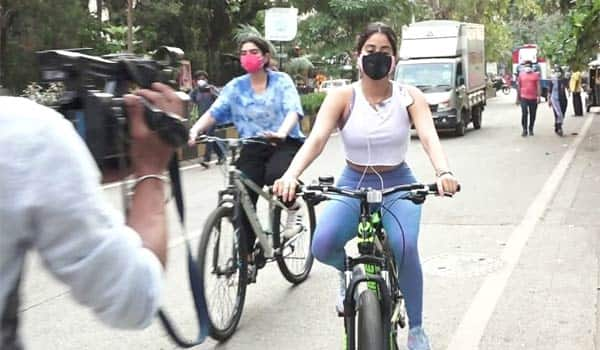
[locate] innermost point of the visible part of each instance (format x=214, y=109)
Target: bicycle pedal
x=252, y=273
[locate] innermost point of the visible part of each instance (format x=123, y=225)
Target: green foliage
x=115, y=38
x=312, y=102
x=33, y=25
x=206, y=29
x=576, y=41
x=299, y=65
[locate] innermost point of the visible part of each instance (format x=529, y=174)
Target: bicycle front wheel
x=222, y=263
x=370, y=324
x=295, y=229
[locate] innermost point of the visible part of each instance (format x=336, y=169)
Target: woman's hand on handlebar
x=193, y=135
x=447, y=184
x=285, y=187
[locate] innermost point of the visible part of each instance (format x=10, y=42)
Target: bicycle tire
x=234, y=272
x=370, y=323
x=506, y=90
x=296, y=259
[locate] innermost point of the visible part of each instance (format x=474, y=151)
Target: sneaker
x=339, y=306
x=524, y=133
x=252, y=272
x=204, y=164
x=220, y=161
x=294, y=221
x=417, y=339
x=530, y=132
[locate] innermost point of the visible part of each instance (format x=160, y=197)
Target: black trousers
x=264, y=164
x=577, y=106
x=528, y=107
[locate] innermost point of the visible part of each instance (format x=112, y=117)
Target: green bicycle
x=373, y=304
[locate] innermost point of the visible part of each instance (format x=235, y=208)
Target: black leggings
x=264, y=164
x=531, y=107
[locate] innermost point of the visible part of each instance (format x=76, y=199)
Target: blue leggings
x=401, y=218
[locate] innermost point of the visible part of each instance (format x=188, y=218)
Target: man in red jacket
x=529, y=90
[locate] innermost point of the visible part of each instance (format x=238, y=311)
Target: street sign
x=281, y=23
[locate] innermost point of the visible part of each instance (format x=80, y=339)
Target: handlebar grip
x=434, y=188
x=202, y=138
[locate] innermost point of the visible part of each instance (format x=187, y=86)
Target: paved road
x=510, y=263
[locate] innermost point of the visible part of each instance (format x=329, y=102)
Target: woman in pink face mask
x=261, y=104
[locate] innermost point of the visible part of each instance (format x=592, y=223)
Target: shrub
x=312, y=102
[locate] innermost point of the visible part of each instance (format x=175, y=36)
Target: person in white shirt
x=51, y=202
x=374, y=116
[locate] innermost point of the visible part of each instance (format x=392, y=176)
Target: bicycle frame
x=376, y=274
x=236, y=193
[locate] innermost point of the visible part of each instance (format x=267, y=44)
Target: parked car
x=331, y=84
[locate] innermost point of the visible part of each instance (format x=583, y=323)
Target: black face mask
x=376, y=65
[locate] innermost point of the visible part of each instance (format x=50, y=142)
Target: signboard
x=281, y=23
x=528, y=54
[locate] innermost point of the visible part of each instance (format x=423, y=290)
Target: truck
x=530, y=52
x=446, y=61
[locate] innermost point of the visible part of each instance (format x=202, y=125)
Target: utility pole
x=130, y=26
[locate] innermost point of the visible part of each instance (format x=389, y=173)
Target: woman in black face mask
x=374, y=116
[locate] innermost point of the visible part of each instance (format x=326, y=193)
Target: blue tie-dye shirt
x=252, y=113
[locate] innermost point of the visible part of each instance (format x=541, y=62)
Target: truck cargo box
x=448, y=39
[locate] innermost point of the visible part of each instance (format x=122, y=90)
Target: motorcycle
x=501, y=84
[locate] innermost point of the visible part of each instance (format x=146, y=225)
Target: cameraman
x=51, y=201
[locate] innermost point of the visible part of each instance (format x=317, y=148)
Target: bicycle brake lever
x=417, y=197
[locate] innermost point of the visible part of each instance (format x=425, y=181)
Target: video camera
x=93, y=97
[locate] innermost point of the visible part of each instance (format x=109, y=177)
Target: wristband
x=140, y=179
x=445, y=172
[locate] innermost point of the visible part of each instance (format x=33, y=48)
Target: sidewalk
x=557, y=278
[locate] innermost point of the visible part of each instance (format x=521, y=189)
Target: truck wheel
x=476, y=117
x=460, y=125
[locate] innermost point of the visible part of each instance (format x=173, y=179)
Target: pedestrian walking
x=529, y=92
x=558, y=98
x=575, y=88
x=204, y=95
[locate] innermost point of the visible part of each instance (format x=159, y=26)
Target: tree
x=337, y=22
x=6, y=16
x=28, y=26
x=575, y=42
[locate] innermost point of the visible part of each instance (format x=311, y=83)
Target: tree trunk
x=130, y=26
x=5, y=18
x=99, y=6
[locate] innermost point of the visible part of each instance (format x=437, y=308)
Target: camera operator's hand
x=149, y=154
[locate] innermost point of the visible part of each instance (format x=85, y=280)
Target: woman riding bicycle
x=374, y=116
x=262, y=104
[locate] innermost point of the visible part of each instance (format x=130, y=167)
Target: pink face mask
x=251, y=63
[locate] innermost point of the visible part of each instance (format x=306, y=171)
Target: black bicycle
x=371, y=277
x=224, y=255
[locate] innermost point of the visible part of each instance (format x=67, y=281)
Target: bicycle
x=223, y=251
x=379, y=305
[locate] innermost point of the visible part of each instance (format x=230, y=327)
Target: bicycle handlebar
x=418, y=191
x=233, y=141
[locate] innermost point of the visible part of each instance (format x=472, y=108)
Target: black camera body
x=93, y=97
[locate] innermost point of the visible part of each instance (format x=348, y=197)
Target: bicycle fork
x=380, y=284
